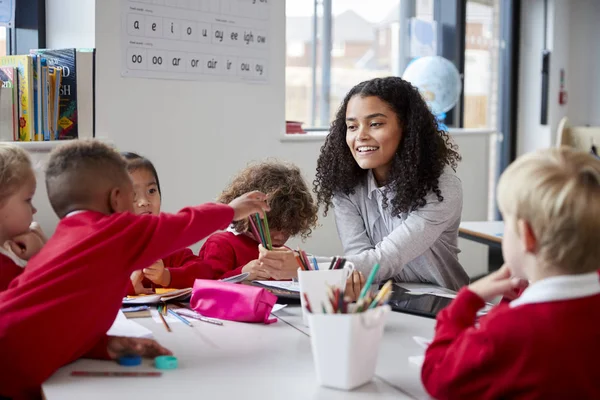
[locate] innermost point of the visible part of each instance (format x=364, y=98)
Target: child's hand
x=498, y=283
x=136, y=281
x=28, y=244
x=248, y=204
x=125, y=346
x=158, y=274
x=354, y=285
x=280, y=262
x=256, y=271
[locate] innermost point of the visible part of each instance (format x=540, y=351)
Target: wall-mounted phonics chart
x=225, y=40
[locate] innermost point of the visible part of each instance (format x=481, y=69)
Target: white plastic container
x=345, y=347
x=314, y=284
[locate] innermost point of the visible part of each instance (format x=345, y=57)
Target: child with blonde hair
x=544, y=344
x=20, y=239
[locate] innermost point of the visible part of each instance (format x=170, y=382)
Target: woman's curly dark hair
x=422, y=154
x=293, y=209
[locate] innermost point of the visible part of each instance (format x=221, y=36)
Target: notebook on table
x=287, y=291
x=161, y=295
x=422, y=303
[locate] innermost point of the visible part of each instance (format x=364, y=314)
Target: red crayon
x=116, y=373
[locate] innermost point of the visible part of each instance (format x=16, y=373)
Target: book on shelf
x=53, y=95
x=23, y=65
x=9, y=107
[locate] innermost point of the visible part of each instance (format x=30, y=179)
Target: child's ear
x=114, y=201
x=120, y=200
x=527, y=235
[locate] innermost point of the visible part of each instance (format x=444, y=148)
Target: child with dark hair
x=73, y=288
x=293, y=212
x=177, y=270
x=389, y=172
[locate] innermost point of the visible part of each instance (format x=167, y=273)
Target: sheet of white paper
x=421, y=341
x=416, y=360
x=169, y=318
x=278, y=307
x=286, y=285
x=125, y=327
x=427, y=289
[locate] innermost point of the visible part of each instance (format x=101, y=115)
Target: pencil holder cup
x=314, y=285
x=345, y=347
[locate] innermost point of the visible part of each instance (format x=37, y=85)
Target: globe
x=437, y=79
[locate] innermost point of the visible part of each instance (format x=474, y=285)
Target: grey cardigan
x=420, y=246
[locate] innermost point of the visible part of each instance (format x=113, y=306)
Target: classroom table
x=488, y=233
x=485, y=232
x=252, y=361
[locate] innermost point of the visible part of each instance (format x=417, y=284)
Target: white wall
x=531, y=134
x=71, y=23
x=573, y=36
x=197, y=145
x=583, y=83
x=198, y=134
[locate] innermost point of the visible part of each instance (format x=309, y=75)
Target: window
x=3, y=41
x=295, y=49
x=361, y=41
x=481, y=64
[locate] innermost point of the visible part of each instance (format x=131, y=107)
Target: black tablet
x=424, y=305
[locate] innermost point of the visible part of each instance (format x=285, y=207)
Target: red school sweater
x=9, y=270
x=226, y=253
x=185, y=268
x=544, y=345
x=61, y=306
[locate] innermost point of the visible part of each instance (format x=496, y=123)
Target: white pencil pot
x=314, y=284
x=345, y=347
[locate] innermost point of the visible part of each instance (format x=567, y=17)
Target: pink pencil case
x=232, y=301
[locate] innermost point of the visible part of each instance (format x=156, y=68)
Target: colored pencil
x=307, y=303
x=260, y=230
x=333, y=261
x=299, y=262
x=182, y=319
x=315, y=263
x=164, y=321
x=267, y=233
x=254, y=230
x=369, y=282
x=382, y=294
x=116, y=373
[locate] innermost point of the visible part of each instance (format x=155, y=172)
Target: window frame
x=29, y=31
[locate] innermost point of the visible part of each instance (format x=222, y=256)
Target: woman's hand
x=354, y=285
x=280, y=262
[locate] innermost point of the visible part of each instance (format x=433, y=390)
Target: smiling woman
x=389, y=172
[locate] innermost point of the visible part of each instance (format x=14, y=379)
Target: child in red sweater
x=60, y=308
x=174, y=270
x=544, y=344
x=19, y=238
x=293, y=212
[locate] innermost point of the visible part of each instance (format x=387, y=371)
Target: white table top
x=237, y=360
x=397, y=345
